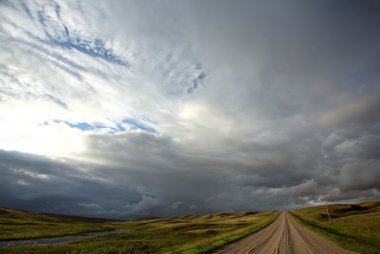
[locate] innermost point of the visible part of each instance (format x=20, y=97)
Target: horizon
x=125, y=109
x=183, y=215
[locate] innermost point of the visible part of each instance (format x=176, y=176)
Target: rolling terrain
x=184, y=234
x=353, y=226
x=22, y=225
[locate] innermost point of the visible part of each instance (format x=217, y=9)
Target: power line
x=327, y=209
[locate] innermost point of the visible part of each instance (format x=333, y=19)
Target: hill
x=353, y=226
x=20, y=225
x=182, y=234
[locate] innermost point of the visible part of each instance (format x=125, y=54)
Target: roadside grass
x=355, y=227
x=210, y=244
x=184, y=234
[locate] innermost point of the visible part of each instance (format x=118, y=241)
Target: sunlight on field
x=353, y=226
x=184, y=234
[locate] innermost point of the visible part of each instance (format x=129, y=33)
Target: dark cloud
x=360, y=176
x=142, y=174
x=41, y=184
x=255, y=105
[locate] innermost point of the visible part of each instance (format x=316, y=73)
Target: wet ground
x=59, y=240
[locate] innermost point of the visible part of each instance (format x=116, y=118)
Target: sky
x=129, y=109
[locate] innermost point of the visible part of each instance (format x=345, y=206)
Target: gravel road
x=285, y=235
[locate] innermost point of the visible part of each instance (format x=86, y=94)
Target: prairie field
x=353, y=226
x=184, y=234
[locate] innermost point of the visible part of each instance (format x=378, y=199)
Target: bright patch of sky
x=83, y=81
x=257, y=104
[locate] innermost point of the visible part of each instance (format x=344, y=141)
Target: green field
x=353, y=226
x=20, y=225
x=185, y=234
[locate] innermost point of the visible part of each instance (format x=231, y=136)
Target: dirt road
x=285, y=235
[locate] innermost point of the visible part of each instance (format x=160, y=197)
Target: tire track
x=284, y=235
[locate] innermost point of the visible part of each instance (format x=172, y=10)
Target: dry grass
x=184, y=234
x=354, y=226
x=18, y=225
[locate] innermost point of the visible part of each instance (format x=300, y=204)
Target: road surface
x=285, y=235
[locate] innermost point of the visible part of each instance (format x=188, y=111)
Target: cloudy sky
x=128, y=109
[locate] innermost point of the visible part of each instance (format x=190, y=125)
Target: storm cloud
x=130, y=109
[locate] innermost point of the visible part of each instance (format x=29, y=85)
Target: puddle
x=59, y=240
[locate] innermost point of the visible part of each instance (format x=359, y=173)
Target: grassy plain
x=353, y=226
x=184, y=234
x=21, y=225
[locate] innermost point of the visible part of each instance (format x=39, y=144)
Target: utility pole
x=327, y=209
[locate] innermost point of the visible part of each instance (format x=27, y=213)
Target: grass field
x=353, y=226
x=185, y=234
x=20, y=225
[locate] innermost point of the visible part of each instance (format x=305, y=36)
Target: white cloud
x=74, y=76
x=245, y=101
x=21, y=182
